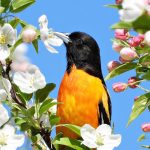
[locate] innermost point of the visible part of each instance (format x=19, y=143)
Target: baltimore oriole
x=83, y=95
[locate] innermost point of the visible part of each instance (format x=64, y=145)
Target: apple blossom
x=112, y=65
x=7, y=37
x=29, y=35
x=9, y=140
x=146, y=127
x=121, y=34
x=29, y=81
x=116, y=46
x=128, y=54
x=47, y=35
x=5, y=87
x=132, y=9
x=131, y=82
x=147, y=38
x=4, y=117
x=119, y=86
x=100, y=138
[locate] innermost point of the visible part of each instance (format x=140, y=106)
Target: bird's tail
x=105, y=108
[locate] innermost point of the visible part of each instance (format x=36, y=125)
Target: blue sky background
x=92, y=17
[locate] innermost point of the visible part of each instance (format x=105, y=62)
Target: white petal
x=105, y=147
x=90, y=143
x=39, y=80
x=55, y=41
x=16, y=140
x=6, y=84
x=104, y=129
x=3, y=115
x=4, y=52
x=8, y=130
x=10, y=33
x=51, y=49
x=113, y=140
x=88, y=133
x=43, y=21
x=3, y=95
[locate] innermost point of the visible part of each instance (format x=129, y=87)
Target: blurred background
x=95, y=19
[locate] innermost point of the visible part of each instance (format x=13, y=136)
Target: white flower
x=9, y=140
x=7, y=36
x=29, y=81
x=19, y=61
x=48, y=35
x=132, y=9
x=100, y=138
x=5, y=87
x=4, y=117
x=53, y=109
x=45, y=120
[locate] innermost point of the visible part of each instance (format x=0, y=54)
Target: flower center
x=2, y=39
x=3, y=139
x=31, y=81
x=99, y=139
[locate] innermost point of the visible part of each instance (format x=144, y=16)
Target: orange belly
x=79, y=94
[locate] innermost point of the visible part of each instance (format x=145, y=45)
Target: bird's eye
x=78, y=42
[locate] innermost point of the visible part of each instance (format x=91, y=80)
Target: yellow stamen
x=2, y=39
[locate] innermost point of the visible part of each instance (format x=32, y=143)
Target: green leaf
x=146, y=146
x=145, y=60
x=54, y=120
x=75, y=144
x=141, y=138
x=74, y=128
x=5, y=4
x=20, y=5
x=35, y=44
x=18, y=42
x=57, y=137
x=19, y=120
x=2, y=9
x=143, y=50
x=23, y=23
x=24, y=126
x=42, y=94
x=114, y=6
x=14, y=22
x=121, y=69
x=142, y=24
x=46, y=105
x=139, y=106
x=146, y=76
x=31, y=111
x=122, y=25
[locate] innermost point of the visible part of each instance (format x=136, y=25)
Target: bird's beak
x=63, y=36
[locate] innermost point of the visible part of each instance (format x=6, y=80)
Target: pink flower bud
x=118, y=2
x=135, y=99
x=128, y=54
x=131, y=82
x=147, y=38
x=141, y=36
x=146, y=127
x=117, y=47
x=119, y=87
x=135, y=41
x=112, y=65
x=121, y=34
x=29, y=35
x=123, y=60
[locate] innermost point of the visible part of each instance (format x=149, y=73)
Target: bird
x=83, y=97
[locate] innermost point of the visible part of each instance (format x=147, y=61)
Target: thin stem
x=142, y=88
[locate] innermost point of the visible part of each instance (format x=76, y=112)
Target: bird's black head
x=84, y=53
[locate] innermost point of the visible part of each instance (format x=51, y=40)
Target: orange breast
x=79, y=95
